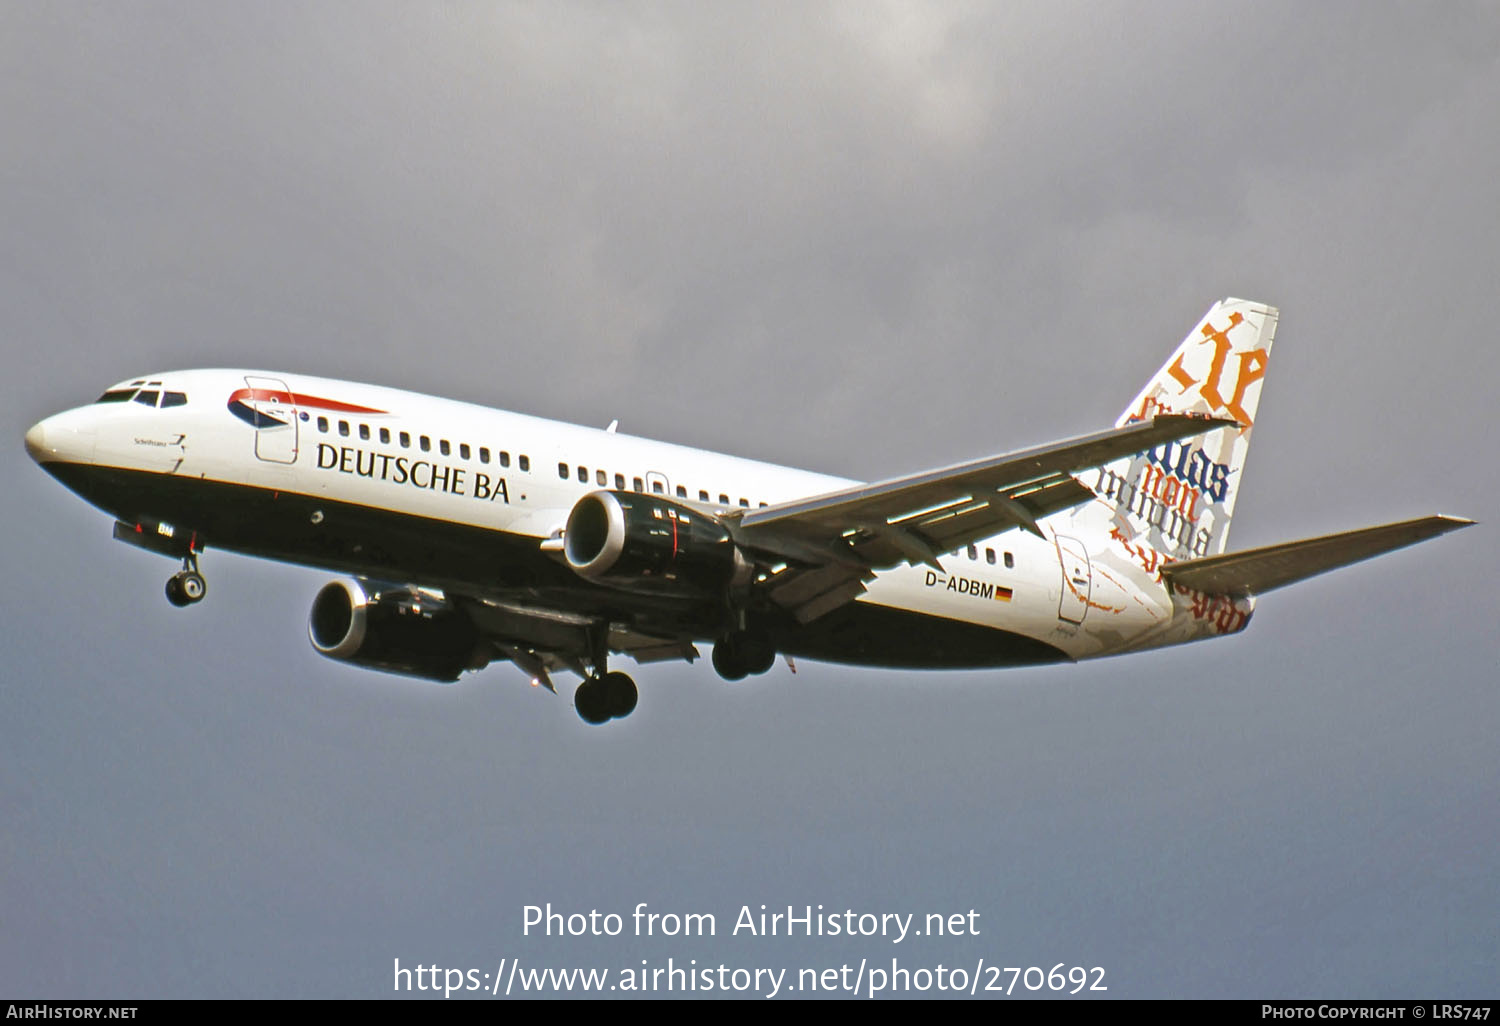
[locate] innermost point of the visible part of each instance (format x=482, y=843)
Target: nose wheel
x=187, y=586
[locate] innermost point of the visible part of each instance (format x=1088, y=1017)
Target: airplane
x=465, y=535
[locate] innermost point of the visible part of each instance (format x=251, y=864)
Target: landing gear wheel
x=175, y=593
x=726, y=660
x=741, y=653
x=186, y=587
x=619, y=693
x=757, y=653
x=194, y=587
x=592, y=702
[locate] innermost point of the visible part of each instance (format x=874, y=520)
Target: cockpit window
x=144, y=396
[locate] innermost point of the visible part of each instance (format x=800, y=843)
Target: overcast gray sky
x=865, y=238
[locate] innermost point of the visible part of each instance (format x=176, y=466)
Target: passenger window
x=601, y=478
x=681, y=492
x=657, y=488
x=175, y=399
x=463, y=450
x=639, y=485
x=505, y=460
x=146, y=397
x=344, y=428
x=525, y=462
x=619, y=482
x=323, y=424
x=1010, y=561
x=583, y=475
x=973, y=552
x=484, y=454
x=702, y=495
x=405, y=440
x=364, y=432
x=443, y=447
x=562, y=471
x=723, y=499
x=385, y=436
x=989, y=556
x=424, y=443
x=764, y=505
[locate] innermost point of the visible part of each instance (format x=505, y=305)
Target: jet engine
x=394, y=629
x=646, y=543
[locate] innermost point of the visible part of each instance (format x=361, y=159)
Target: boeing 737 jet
x=468, y=535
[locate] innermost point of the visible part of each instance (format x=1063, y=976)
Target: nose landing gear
x=187, y=586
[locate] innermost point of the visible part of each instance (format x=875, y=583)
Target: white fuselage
x=398, y=454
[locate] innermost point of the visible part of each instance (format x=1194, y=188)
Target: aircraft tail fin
x=1254, y=571
x=1178, y=498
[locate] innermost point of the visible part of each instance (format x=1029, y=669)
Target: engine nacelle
x=396, y=630
x=640, y=542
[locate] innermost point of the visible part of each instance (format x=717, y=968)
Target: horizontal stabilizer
x=1259, y=570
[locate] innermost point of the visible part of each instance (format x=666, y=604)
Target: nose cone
x=62, y=438
x=63, y=445
x=36, y=442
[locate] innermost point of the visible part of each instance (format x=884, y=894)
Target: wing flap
x=539, y=640
x=810, y=593
x=986, y=515
x=1260, y=570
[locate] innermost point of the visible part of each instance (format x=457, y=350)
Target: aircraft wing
x=1260, y=570
x=833, y=543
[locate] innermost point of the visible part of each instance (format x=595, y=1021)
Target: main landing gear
x=187, y=586
x=739, y=654
x=603, y=698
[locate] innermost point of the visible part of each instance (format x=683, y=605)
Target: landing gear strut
x=187, y=586
x=740, y=653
